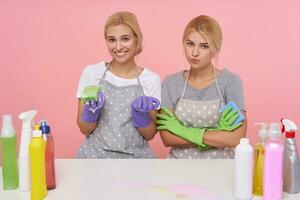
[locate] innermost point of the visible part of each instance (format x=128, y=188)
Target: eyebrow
x=205, y=43
x=110, y=36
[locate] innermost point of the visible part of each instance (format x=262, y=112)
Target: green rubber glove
x=169, y=122
x=228, y=117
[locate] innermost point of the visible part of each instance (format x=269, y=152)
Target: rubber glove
x=240, y=118
x=228, y=117
x=140, y=109
x=169, y=122
x=91, y=109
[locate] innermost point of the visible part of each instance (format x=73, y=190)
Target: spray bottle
x=37, y=150
x=259, y=160
x=9, y=155
x=243, y=170
x=291, y=183
x=273, y=165
x=24, y=167
x=50, y=156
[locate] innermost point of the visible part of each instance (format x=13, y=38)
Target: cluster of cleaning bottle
x=35, y=169
x=276, y=165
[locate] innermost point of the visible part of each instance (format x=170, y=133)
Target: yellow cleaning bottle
x=37, y=149
x=259, y=152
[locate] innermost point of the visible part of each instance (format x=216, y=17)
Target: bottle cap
x=44, y=126
x=289, y=127
x=27, y=118
x=263, y=132
x=36, y=131
x=244, y=141
x=7, y=126
x=274, y=130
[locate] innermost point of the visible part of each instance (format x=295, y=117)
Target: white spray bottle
x=24, y=167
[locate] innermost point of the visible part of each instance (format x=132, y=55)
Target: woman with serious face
x=203, y=113
x=122, y=120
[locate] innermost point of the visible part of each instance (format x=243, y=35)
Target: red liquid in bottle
x=50, y=165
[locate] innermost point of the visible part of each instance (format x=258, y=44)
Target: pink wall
x=44, y=47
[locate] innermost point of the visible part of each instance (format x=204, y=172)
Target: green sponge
x=90, y=93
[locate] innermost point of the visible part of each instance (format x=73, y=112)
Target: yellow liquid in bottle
x=38, y=173
x=258, y=169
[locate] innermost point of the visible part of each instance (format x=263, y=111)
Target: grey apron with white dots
x=200, y=114
x=115, y=136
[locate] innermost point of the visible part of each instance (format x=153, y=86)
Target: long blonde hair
x=209, y=29
x=129, y=19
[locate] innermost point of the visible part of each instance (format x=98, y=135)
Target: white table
x=140, y=180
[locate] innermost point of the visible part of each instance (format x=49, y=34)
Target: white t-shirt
x=92, y=74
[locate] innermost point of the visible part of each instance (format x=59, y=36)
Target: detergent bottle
x=37, y=150
x=273, y=164
x=10, y=172
x=291, y=183
x=243, y=160
x=259, y=160
x=50, y=156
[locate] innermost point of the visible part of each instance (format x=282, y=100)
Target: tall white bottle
x=24, y=167
x=243, y=170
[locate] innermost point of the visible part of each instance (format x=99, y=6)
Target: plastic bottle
x=50, y=156
x=24, y=167
x=259, y=151
x=9, y=155
x=291, y=183
x=37, y=150
x=273, y=165
x=243, y=170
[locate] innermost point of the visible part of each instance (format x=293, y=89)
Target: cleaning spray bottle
x=9, y=154
x=243, y=177
x=37, y=150
x=291, y=183
x=50, y=156
x=24, y=167
x=273, y=165
x=259, y=160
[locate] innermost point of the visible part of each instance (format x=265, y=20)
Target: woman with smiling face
x=191, y=122
x=121, y=122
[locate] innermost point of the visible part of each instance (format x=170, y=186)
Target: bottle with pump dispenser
x=24, y=167
x=291, y=183
x=37, y=150
x=50, y=156
x=273, y=165
x=243, y=170
x=9, y=155
x=259, y=160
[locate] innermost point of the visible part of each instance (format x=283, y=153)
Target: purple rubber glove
x=91, y=109
x=140, y=109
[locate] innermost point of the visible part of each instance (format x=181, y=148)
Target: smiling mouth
x=120, y=54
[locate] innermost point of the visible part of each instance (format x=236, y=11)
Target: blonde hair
x=209, y=29
x=129, y=19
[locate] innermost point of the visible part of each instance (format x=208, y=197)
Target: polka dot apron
x=200, y=114
x=115, y=136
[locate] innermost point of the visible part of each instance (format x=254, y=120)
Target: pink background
x=45, y=46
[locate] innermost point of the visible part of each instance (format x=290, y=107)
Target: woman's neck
x=202, y=74
x=124, y=70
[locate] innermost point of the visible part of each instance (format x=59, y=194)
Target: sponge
x=90, y=93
